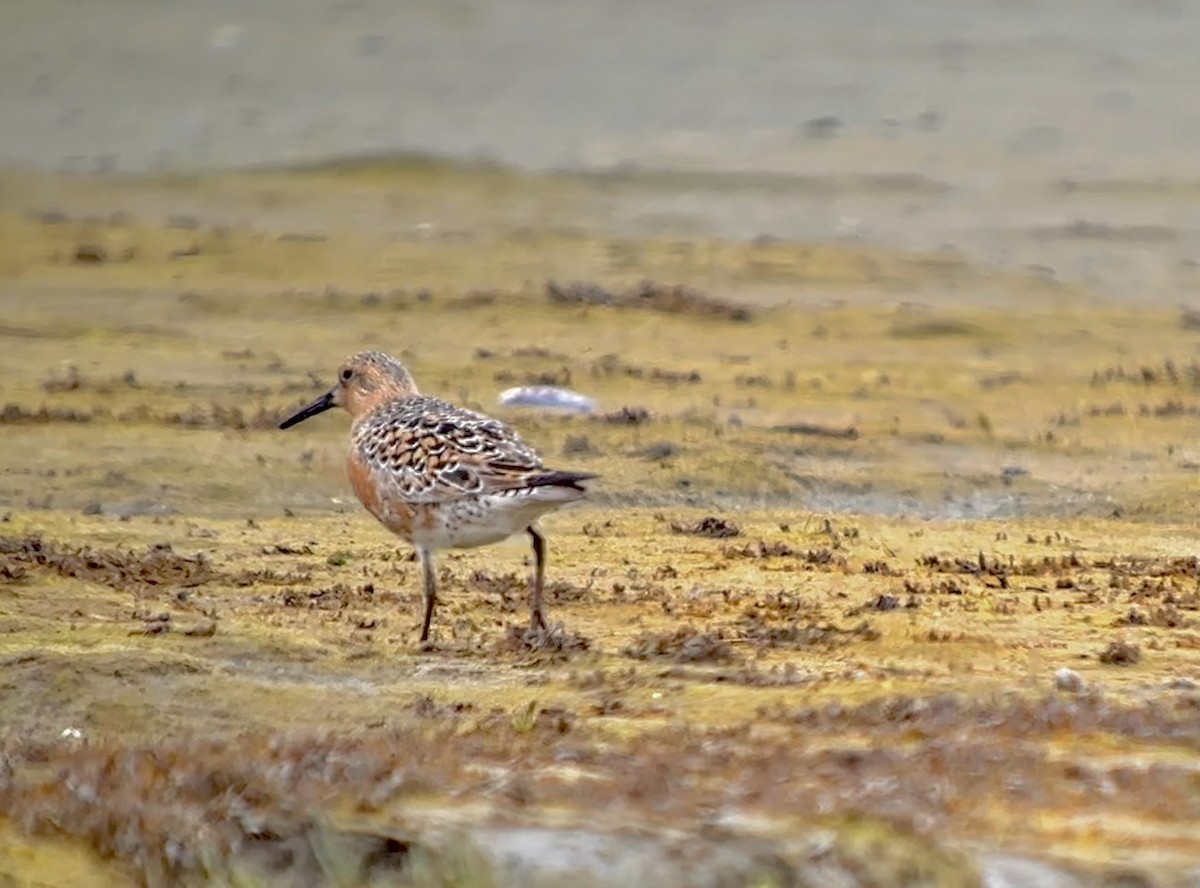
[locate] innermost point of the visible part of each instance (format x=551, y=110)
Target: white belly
x=482, y=521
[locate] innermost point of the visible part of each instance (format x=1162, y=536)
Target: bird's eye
x=347, y=374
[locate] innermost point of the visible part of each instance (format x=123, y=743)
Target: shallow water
x=1053, y=135
x=1081, y=90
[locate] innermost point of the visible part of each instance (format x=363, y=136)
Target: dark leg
x=536, y=619
x=429, y=588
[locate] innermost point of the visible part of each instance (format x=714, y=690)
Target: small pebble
x=1068, y=680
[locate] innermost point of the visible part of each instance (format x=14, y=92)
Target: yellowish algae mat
x=891, y=563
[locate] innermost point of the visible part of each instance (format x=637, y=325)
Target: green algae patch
x=895, y=578
x=54, y=861
x=897, y=669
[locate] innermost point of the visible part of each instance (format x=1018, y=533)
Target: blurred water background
x=1059, y=135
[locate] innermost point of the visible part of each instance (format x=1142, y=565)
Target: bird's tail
x=571, y=480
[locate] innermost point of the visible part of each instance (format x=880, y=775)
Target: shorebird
x=440, y=476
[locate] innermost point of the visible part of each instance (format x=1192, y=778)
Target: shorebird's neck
x=367, y=408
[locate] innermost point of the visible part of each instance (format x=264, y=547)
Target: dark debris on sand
x=15, y=414
x=337, y=597
x=173, y=810
x=159, y=565
x=1121, y=653
x=808, y=635
x=512, y=590
x=552, y=644
x=665, y=298
x=683, y=645
x=712, y=527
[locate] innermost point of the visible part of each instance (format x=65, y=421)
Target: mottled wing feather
x=422, y=449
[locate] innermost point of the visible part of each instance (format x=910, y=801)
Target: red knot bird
x=440, y=476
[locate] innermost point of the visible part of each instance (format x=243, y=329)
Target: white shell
x=548, y=397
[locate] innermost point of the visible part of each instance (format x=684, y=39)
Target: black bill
x=323, y=403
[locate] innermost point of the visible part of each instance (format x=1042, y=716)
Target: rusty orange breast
x=364, y=487
x=398, y=516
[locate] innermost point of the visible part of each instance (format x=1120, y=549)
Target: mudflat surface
x=885, y=589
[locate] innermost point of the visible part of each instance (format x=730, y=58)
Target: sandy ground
x=872, y=590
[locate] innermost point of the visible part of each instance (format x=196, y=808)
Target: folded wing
x=423, y=450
